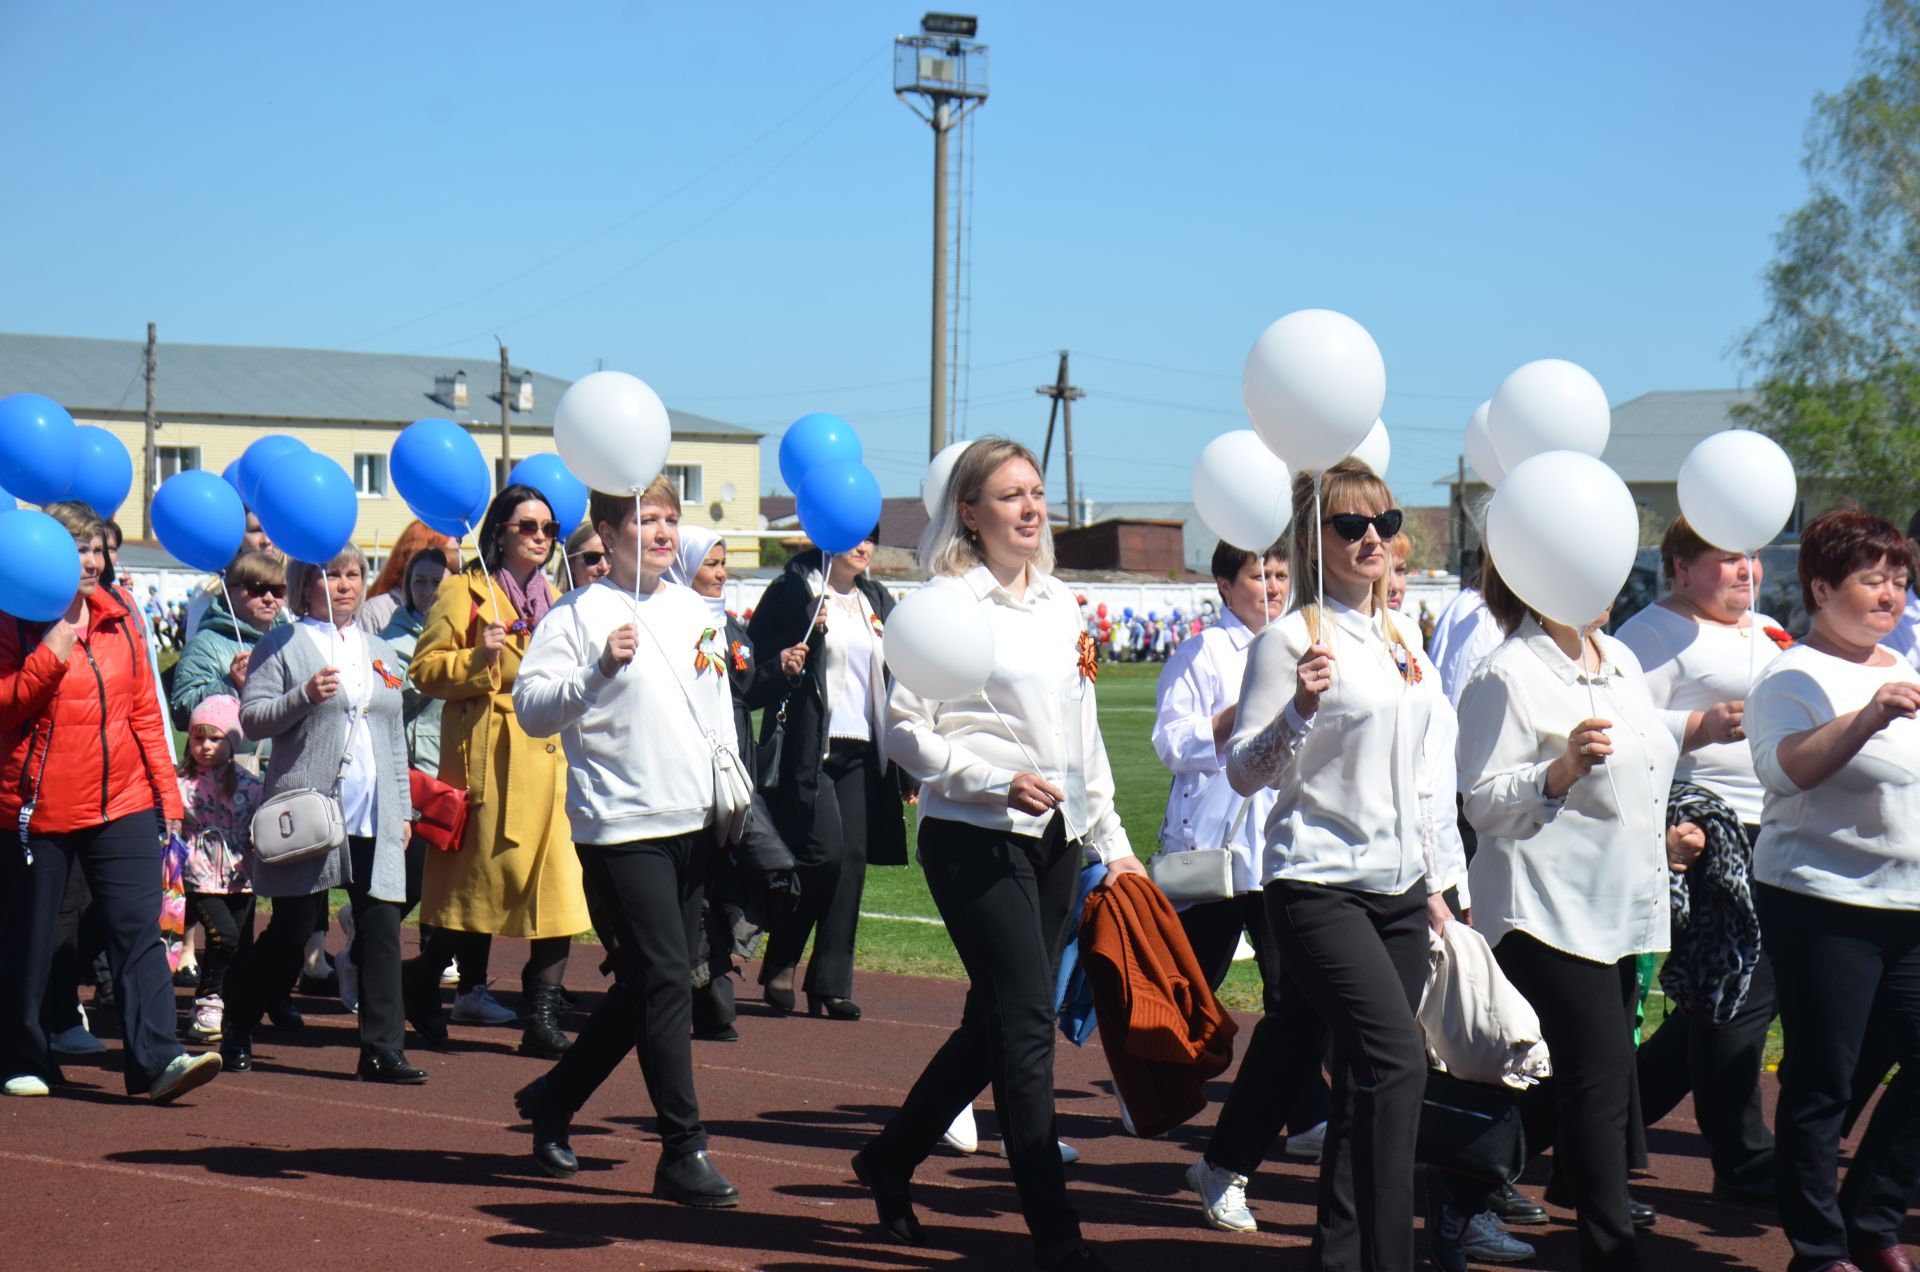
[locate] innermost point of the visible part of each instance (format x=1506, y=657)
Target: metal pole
x=1066, y=437
x=1460, y=517
x=151, y=467
x=937, y=430
x=506, y=423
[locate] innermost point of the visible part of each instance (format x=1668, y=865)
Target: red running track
x=297, y=1166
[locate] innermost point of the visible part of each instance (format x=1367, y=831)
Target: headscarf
x=695, y=544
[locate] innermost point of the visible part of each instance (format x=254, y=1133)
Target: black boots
x=420, y=995
x=892, y=1197
x=552, y=1150
x=390, y=1067
x=542, y=1036
x=691, y=1180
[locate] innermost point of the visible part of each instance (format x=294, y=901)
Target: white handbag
x=301, y=823
x=732, y=792
x=1200, y=874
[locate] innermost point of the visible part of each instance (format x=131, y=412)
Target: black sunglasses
x=267, y=589
x=530, y=527
x=1352, y=527
x=590, y=558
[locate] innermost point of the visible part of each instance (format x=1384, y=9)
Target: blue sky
x=727, y=201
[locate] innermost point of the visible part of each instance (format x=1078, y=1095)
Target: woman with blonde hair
x=1334, y=715
x=1010, y=801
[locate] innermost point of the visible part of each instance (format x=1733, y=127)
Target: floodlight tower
x=947, y=68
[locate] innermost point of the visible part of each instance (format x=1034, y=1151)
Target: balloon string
x=636, y=555
x=826, y=585
x=1593, y=709
x=494, y=596
x=566, y=563
x=1263, y=594
x=1073, y=835
x=1753, y=630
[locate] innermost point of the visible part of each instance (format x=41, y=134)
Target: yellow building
x=213, y=400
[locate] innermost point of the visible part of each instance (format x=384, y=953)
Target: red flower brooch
x=380, y=669
x=1778, y=637
x=1089, y=663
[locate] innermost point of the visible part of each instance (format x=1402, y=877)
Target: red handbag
x=441, y=809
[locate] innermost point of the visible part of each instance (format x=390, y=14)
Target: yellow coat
x=516, y=873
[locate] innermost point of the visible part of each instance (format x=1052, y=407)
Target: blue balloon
x=460, y=527
x=816, y=439
x=261, y=455
x=549, y=474
x=1127, y=613
x=39, y=449
x=307, y=505
x=39, y=566
x=839, y=505
x=231, y=475
x=106, y=471
x=199, y=518
x=438, y=469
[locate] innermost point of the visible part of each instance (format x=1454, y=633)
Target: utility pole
x=1064, y=395
x=945, y=66
x=151, y=468
x=1460, y=517
x=506, y=421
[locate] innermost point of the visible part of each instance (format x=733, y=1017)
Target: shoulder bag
x=302, y=823
x=1200, y=874
x=766, y=754
x=732, y=792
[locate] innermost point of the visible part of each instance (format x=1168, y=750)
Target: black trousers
x=1582, y=1112
x=649, y=892
x=121, y=861
x=279, y=950
x=1361, y=960
x=71, y=954
x=227, y=919
x=1279, y=1083
x=833, y=874
x=1007, y=902
x=1721, y=1066
x=1838, y=966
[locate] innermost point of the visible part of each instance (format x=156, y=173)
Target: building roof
x=89, y=376
x=1653, y=433
x=902, y=520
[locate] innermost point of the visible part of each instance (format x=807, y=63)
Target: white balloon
x=1563, y=531
x=933, y=486
x=1375, y=450
x=1546, y=406
x=1242, y=490
x=612, y=431
x=1737, y=490
x=939, y=643
x=1313, y=386
x=1480, y=457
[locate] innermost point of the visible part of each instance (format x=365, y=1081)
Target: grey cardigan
x=307, y=744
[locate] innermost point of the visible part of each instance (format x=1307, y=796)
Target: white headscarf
x=695, y=544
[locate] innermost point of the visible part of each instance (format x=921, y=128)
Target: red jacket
x=92, y=721
x=1164, y=1032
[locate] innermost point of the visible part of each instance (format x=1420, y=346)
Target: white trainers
x=478, y=1007
x=183, y=1074
x=1308, y=1145
x=25, y=1084
x=450, y=976
x=1068, y=1153
x=208, y=1015
x=963, y=1136
x=349, y=975
x=1223, y=1195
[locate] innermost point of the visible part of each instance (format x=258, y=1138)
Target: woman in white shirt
x=329, y=695
x=835, y=799
x=631, y=672
x=1837, y=867
x=1700, y=649
x=1015, y=789
x=1334, y=713
x=1566, y=763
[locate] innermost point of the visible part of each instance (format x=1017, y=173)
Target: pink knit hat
x=222, y=711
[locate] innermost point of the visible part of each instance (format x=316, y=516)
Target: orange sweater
x=1164, y=1032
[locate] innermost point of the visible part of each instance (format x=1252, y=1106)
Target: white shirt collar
x=1549, y=652
x=983, y=585
x=1237, y=632
x=1354, y=622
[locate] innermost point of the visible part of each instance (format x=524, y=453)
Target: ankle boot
x=542, y=1036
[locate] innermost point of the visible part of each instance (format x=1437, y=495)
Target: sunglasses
x=276, y=590
x=590, y=558
x=529, y=527
x=1352, y=527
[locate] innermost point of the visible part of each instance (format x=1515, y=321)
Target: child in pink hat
x=220, y=798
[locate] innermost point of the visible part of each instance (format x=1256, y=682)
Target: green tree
x=1838, y=352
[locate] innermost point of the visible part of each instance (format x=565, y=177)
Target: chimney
x=523, y=391
x=451, y=390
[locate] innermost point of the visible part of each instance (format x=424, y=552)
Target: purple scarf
x=531, y=602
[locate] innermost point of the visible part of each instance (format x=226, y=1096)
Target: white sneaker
x=26, y=1084
x=478, y=1007
x=1126, y=1118
x=450, y=976
x=1308, y=1145
x=349, y=975
x=208, y=1016
x=183, y=1074
x=1068, y=1153
x=1223, y=1195
x=963, y=1136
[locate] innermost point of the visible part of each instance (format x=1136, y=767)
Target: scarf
x=695, y=544
x=1716, y=935
x=531, y=602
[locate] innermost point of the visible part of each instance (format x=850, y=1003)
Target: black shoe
x=285, y=1016
x=420, y=997
x=691, y=1180
x=391, y=1067
x=327, y=986
x=776, y=991
x=1754, y=1192
x=236, y=1054
x=1639, y=1212
x=542, y=1036
x=1514, y=1209
x=1081, y=1260
x=719, y=1033
x=552, y=1151
x=833, y=1008
x=892, y=1196
x=186, y=977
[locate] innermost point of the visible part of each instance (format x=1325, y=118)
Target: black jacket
x=780, y=621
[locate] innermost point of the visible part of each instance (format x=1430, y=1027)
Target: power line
x=847, y=388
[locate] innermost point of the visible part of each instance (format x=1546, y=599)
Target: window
x=686, y=480
x=169, y=460
x=370, y=476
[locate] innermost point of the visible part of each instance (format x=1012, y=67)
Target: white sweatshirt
x=639, y=762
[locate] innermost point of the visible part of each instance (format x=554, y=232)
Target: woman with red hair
x=387, y=594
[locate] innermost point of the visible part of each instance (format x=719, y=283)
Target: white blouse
x=962, y=751
x=1854, y=838
x=1692, y=666
x=1464, y=634
x=345, y=650
x=851, y=667
x=1353, y=808
x=1201, y=680
x=1585, y=873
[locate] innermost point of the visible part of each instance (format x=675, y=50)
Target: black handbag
x=1472, y=1128
x=766, y=756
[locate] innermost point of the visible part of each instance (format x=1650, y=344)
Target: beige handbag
x=302, y=823
x=732, y=792
x=1200, y=874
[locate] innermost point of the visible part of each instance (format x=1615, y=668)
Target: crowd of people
x=1697, y=785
